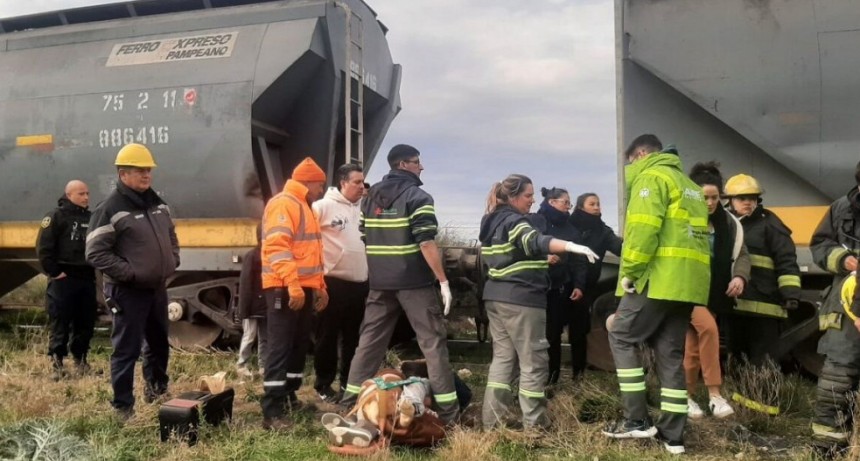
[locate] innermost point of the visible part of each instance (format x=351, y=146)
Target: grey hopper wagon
x=228, y=94
x=767, y=88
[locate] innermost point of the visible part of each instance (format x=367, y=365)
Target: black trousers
x=339, y=323
x=72, y=310
x=753, y=337
x=142, y=323
x=563, y=313
x=289, y=334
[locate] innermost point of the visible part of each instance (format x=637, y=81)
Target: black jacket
x=570, y=272
x=515, y=255
x=595, y=234
x=396, y=216
x=838, y=234
x=132, y=240
x=775, y=275
x=251, y=301
x=61, y=243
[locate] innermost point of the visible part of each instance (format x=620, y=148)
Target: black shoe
x=328, y=395
x=630, y=429
x=82, y=367
x=153, y=393
x=58, y=372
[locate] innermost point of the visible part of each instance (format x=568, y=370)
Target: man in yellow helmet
x=774, y=285
x=132, y=241
x=835, y=246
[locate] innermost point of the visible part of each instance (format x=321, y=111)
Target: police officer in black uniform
x=71, y=296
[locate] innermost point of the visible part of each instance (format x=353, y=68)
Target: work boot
x=153, y=393
x=82, y=367
x=58, y=372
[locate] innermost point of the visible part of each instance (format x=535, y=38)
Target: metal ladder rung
x=354, y=100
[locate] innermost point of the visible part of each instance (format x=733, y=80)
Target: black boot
x=58, y=372
x=82, y=367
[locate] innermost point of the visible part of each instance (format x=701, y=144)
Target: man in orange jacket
x=293, y=284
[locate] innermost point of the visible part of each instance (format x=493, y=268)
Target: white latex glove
x=627, y=285
x=446, y=296
x=571, y=247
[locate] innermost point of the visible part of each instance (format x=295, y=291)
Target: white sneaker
x=720, y=408
x=694, y=411
x=675, y=448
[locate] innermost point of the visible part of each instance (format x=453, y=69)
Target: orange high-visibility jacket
x=292, y=243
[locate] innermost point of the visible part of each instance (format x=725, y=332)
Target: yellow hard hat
x=136, y=155
x=742, y=184
x=847, y=294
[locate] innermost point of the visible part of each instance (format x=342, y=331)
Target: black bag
x=181, y=415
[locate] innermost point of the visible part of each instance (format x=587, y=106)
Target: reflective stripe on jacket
x=292, y=254
x=132, y=239
x=838, y=235
x=666, y=232
x=516, y=255
x=396, y=217
x=775, y=275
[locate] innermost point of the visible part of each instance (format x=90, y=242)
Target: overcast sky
x=492, y=87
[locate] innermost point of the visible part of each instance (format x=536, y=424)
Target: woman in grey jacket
x=730, y=271
x=515, y=255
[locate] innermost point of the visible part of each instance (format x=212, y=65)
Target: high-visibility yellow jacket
x=292, y=252
x=666, y=245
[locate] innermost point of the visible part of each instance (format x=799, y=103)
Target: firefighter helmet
x=742, y=184
x=136, y=155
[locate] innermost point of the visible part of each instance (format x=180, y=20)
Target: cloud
x=492, y=87
x=496, y=87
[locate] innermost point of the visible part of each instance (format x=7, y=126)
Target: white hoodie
x=343, y=250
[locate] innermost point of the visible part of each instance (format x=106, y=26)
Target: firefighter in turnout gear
x=835, y=246
x=774, y=285
x=665, y=271
x=71, y=295
x=399, y=226
x=293, y=285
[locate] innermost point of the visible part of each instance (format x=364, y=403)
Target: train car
x=228, y=94
x=766, y=88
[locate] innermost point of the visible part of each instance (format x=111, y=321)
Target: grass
x=30, y=293
x=75, y=414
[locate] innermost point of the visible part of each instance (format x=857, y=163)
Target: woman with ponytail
x=515, y=296
x=730, y=271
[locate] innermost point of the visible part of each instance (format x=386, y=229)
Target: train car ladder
x=354, y=88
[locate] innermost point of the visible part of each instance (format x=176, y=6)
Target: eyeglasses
x=563, y=202
x=415, y=161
